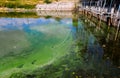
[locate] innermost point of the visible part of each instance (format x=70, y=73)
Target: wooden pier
x=112, y=17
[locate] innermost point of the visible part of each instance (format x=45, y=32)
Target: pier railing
x=98, y=9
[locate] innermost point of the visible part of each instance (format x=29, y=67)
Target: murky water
x=54, y=47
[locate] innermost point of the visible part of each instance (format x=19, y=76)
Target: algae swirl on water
x=32, y=46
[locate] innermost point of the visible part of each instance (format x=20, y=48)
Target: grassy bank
x=28, y=4
x=19, y=3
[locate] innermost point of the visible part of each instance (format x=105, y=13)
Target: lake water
x=57, y=45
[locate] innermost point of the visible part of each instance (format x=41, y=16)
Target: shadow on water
x=94, y=52
x=100, y=54
x=102, y=49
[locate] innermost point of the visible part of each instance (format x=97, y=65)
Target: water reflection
x=28, y=43
x=60, y=14
x=103, y=48
x=91, y=47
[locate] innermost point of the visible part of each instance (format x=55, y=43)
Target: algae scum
x=64, y=48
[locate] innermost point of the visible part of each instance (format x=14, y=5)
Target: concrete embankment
x=57, y=6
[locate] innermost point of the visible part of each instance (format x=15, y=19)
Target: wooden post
x=98, y=16
x=112, y=14
x=109, y=21
x=118, y=11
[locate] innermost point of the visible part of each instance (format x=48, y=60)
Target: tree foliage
x=47, y=1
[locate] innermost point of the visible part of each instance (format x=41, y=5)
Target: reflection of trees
x=112, y=46
x=19, y=14
x=109, y=39
x=99, y=52
x=92, y=52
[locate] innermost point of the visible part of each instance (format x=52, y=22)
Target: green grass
x=28, y=4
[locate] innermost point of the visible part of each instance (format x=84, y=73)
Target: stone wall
x=68, y=0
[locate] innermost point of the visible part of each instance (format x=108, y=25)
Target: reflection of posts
x=99, y=23
x=98, y=16
x=116, y=35
x=95, y=51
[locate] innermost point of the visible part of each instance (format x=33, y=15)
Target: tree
x=47, y=1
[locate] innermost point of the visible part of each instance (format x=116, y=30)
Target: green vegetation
x=39, y=47
x=65, y=67
x=19, y=3
x=19, y=14
x=49, y=51
x=28, y=4
x=47, y=1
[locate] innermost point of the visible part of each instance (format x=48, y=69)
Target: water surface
x=67, y=47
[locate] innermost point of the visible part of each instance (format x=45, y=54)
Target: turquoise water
x=67, y=48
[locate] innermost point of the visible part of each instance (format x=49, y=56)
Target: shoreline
x=5, y=9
